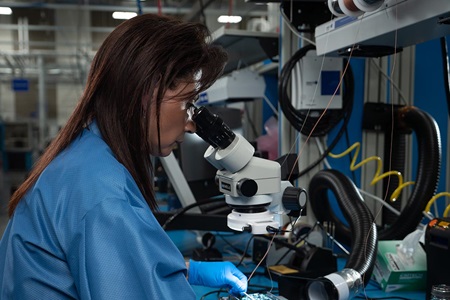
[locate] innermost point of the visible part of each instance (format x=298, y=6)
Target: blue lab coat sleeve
x=84, y=231
x=110, y=259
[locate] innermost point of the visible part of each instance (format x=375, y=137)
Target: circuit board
x=256, y=296
x=259, y=296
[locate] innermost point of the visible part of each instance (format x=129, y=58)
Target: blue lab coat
x=84, y=231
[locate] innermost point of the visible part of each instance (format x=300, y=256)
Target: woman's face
x=174, y=120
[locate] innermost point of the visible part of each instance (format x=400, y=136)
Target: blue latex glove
x=217, y=274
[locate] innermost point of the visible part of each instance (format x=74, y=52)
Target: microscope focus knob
x=294, y=199
x=247, y=187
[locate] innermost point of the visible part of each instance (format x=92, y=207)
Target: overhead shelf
x=246, y=48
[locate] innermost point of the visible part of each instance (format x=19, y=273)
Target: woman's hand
x=217, y=274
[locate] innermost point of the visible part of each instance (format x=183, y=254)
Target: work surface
x=187, y=241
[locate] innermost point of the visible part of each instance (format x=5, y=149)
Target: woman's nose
x=190, y=126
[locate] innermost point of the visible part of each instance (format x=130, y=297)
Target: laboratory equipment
x=353, y=7
x=252, y=185
x=386, y=30
x=437, y=247
x=239, y=85
x=255, y=296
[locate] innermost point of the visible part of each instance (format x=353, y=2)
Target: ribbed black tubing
x=426, y=180
x=361, y=230
x=427, y=176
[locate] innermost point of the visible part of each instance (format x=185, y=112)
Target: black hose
x=362, y=229
x=426, y=181
x=428, y=170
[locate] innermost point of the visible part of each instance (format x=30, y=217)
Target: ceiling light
x=123, y=15
x=5, y=11
x=229, y=19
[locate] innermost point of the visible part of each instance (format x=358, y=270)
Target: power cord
x=186, y=208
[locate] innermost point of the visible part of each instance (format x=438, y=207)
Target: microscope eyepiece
x=212, y=129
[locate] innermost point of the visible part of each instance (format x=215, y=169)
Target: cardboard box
x=395, y=272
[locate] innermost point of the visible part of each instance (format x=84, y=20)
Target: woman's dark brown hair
x=141, y=58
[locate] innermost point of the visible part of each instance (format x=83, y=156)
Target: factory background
x=46, y=50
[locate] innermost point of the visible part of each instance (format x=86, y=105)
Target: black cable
x=445, y=62
x=282, y=243
x=302, y=120
x=245, y=251
x=305, y=120
x=185, y=209
x=381, y=298
x=232, y=246
x=301, y=239
x=213, y=292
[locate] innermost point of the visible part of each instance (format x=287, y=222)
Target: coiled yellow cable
x=434, y=198
x=353, y=166
x=446, y=211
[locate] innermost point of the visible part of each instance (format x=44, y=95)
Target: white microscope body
x=252, y=185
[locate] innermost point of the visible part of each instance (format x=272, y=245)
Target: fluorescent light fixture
x=5, y=10
x=229, y=19
x=123, y=15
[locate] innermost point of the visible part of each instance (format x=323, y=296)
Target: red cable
x=230, y=11
x=159, y=7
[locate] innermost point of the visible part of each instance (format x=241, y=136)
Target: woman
x=81, y=225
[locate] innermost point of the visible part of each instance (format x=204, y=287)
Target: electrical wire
x=218, y=292
x=159, y=5
x=272, y=107
x=239, y=251
x=292, y=28
x=186, y=208
x=296, y=244
x=392, y=83
x=381, y=298
x=301, y=119
x=245, y=251
x=331, y=237
x=381, y=201
x=262, y=259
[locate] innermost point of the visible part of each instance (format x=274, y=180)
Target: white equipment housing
x=240, y=84
x=399, y=23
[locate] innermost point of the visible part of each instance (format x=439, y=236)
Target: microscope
x=252, y=185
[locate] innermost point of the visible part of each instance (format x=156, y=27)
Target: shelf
x=246, y=48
